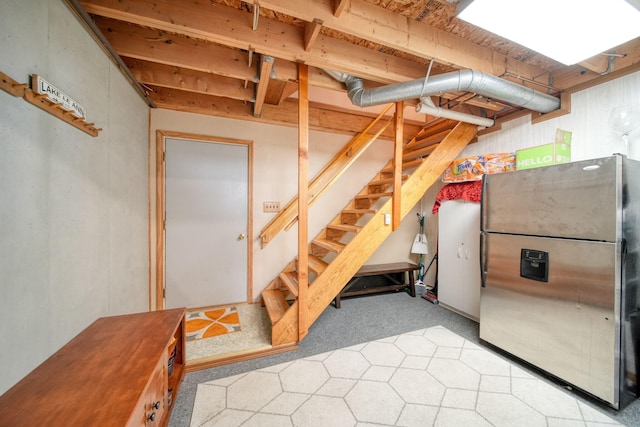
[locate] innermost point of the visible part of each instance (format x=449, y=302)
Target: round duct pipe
x=464, y=81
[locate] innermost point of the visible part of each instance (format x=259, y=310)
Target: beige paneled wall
x=73, y=209
x=275, y=179
x=592, y=135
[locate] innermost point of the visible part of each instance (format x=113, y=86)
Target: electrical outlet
x=271, y=206
x=387, y=219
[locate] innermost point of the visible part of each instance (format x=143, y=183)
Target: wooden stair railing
x=365, y=235
x=287, y=217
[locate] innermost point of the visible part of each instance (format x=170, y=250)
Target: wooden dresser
x=114, y=373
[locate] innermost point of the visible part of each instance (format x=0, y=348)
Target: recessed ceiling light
x=568, y=31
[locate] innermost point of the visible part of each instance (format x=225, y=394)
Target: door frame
x=161, y=135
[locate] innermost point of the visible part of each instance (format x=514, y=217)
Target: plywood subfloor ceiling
x=212, y=56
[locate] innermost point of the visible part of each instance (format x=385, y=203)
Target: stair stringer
x=328, y=284
x=285, y=330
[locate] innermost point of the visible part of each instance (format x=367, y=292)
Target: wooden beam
x=340, y=6
x=228, y=26
x=621, y=57
x=589, y=73
x=565, y=97
x=311, y=31
x=171, y=49
x=388, y=28
x=190, y=54
x=284, y=114
x=606, y=78
x=303, y=199
x=266, y=65
x=155, y=74
x=565, y=108
x=396, y=216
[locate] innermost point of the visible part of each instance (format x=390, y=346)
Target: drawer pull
x=152, y=417
x=156, y=405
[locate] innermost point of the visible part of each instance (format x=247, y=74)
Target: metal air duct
x=463, y=81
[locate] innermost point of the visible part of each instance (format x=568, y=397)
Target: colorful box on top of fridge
x=554, y=153
x=473, y=167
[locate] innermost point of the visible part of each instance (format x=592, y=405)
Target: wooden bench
x=388, y=271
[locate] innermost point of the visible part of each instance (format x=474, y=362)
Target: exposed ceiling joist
x=202, y=54
x=171, y=49
x=154, y=74
x=180, y=51
x=284, y=114
x=228, y=26
x=396, y=31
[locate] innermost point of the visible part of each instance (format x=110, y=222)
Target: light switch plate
x=271, y=206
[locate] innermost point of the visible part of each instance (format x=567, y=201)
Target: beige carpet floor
x=255, y=334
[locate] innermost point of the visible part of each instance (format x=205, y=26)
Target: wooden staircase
x=346, y=243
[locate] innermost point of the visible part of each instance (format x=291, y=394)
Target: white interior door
x=206, y=204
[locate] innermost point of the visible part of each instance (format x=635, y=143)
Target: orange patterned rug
x=211, y=323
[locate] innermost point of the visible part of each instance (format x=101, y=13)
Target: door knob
x=241, y=236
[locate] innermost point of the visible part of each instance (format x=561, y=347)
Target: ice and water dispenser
x=534, y=265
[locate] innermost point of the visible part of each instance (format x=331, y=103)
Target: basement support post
x=396, y=216
x=303, y=199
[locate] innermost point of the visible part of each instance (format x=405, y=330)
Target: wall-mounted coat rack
x=41, y=101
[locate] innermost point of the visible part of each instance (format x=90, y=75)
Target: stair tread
x=432, y=129
x=290, y=280
x=428, y=140
x=405, y=165
x=316, y=264
x=387, y=180
x=345, y=227
x=373, y=195
x=422, y=152
x=332, y=245
x=359, y=211
x=275, y=303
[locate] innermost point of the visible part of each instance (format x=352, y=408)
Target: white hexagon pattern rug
x=429, y=377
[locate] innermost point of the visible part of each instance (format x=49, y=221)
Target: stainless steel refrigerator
x=559, y=266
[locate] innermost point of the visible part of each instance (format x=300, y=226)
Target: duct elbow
x=355, y=86
x=355, y=90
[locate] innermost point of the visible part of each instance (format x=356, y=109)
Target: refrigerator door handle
x=483, y=259
x=484, y=221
